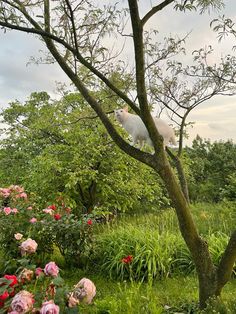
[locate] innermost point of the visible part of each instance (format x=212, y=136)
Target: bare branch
x=155, y=9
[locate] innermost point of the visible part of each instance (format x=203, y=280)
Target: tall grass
x=156, y=245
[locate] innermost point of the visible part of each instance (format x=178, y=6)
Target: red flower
x=13, y=279
x=128, y=259
x=4, y=296
x=57, y=216
x=53, y=207
x=90, y=222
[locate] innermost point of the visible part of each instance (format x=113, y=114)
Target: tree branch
x=154, y=10
x=44, y=34
x=227, y=263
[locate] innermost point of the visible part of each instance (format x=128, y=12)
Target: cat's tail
x=173, y=140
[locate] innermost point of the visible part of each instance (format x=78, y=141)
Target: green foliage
x=156, y=246
x=212, y=170
x=57, y=227
x=213, y=218
x=59, y=147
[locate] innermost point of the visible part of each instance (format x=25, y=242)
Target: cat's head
x=121, y=113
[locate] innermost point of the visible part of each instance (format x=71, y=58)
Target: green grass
x=171, y=295
x=175, y=292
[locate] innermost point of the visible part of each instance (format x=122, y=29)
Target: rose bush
x=42, y=291
x=50, y=226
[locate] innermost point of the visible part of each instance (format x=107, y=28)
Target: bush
x=53, y=226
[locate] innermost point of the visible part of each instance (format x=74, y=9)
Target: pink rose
x=21, y=195
x=33, y=220
x=51, y=269
x=38, y=271
x=7, y=210
x=49, y=307
x=16, y=188
x=28, y=246
x=5, y=192
x=72, y=302
x=48, y=211
x=30, y=208
x=84, y=291
x=14, y=210
x=25, y=275
x=18, y=236
x=22, y=302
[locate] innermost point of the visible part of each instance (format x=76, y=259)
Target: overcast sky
x=215, y=119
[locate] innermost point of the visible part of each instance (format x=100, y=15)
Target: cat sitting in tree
x=134, y=125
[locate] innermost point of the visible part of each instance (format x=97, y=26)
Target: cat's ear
x=126, y=108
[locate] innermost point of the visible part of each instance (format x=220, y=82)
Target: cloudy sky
x=215, y=119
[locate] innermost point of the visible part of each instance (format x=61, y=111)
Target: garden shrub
x=54, y=226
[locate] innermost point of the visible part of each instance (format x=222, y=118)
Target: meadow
x=137, y=261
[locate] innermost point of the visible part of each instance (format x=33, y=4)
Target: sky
x=214, y=120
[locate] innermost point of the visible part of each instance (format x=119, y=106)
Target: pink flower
x=84, y=291
x=14, y=210
x=30, y=208
x=89, y=222
x=72, y=302
x=28, y=246
x=26, y=275
x=57, y=216
x=49, y=307
x=48, y=211
x=51, y=269
x=18, y=236
x=21, y=195
x=38, y=271
x=22, y=302
x=7, y=210
x=33, y=220
x=16, y=188
x=13, y=312
x=5, y=192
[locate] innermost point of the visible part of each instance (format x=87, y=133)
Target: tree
x=74, y=32
x=52, y=149
x=208, y=161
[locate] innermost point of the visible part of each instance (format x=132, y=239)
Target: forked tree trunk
x=211, y=280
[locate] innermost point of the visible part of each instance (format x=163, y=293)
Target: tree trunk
x=180, y=172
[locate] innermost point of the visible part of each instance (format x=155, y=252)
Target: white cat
x=134, y=125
